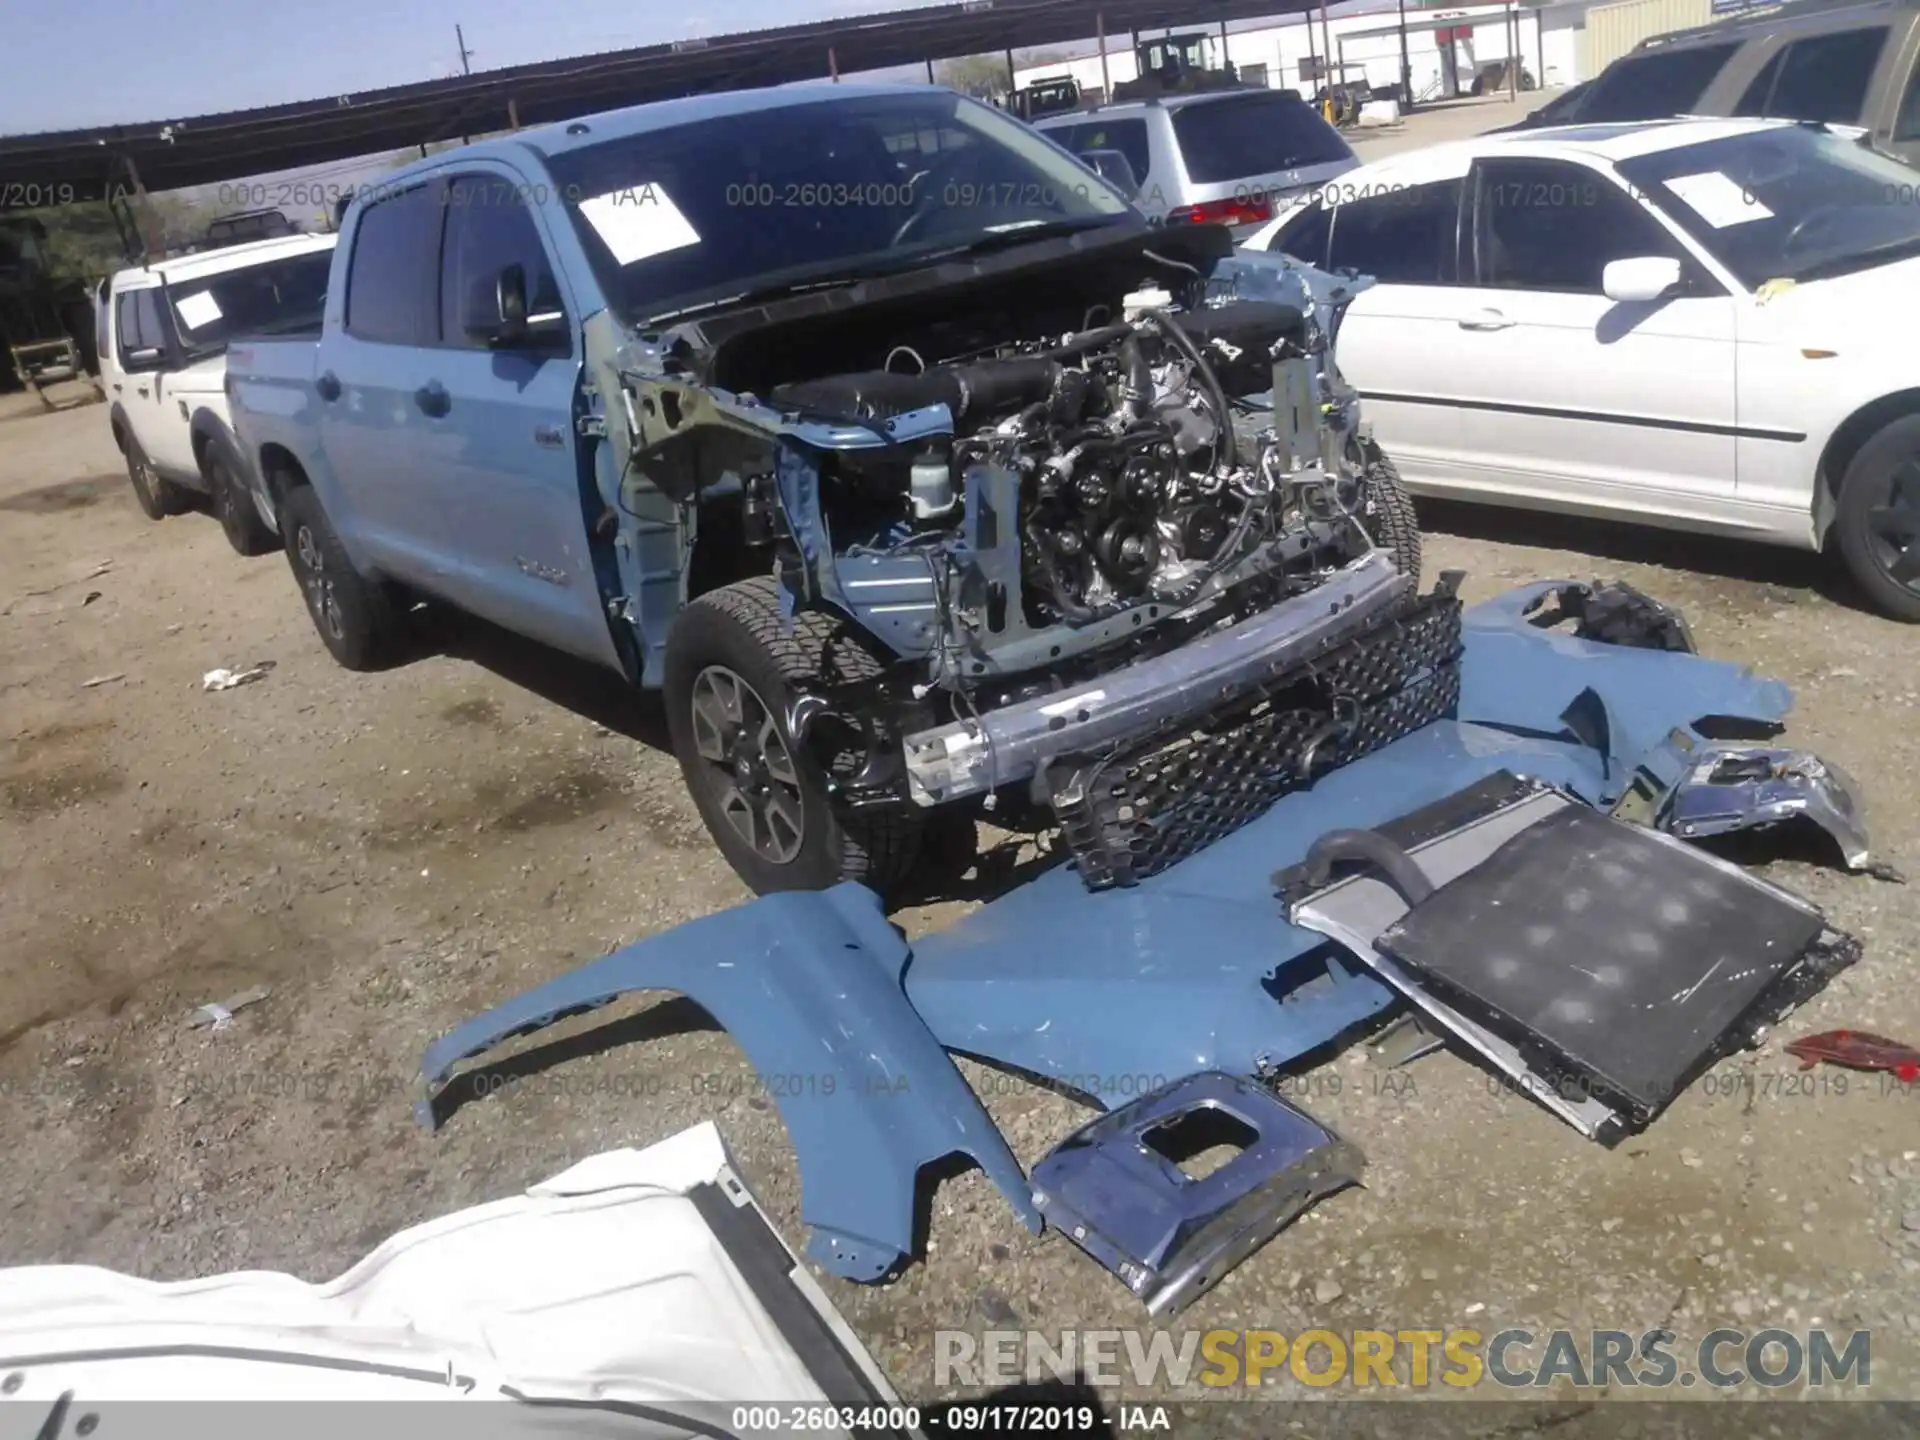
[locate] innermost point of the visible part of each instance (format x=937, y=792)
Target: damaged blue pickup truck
x=914, y=465
x=925, y=477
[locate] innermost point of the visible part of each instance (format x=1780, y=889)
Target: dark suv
x=1844, y=63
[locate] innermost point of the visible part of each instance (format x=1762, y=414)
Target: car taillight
x=1240, y=210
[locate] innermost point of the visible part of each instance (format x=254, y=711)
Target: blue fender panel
x=808, y=985
x=1195, y=968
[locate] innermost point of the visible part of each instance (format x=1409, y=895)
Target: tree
x=83, y=243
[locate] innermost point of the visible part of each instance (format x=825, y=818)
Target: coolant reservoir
x=930, y=485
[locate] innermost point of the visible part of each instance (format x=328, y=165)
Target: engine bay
x=1014, y=481
x=1134, y=479
x=999, y=504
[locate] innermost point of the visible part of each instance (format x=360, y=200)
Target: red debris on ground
x=1858, y=1050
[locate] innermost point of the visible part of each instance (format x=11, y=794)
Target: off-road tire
x=158, y=496
x=354, y=616
x=233, y=507
x=1388, y=510
x=740, y=627
x=1868, y=486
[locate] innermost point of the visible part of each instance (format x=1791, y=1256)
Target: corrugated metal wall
x=1613, y=30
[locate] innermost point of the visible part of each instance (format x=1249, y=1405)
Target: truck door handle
x=143, y=389
x=432, y=398
x=327, y=384
x=1488, y=319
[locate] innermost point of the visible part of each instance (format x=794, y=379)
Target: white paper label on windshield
x=198, y=311
x=1717, y=200
x=638, y=222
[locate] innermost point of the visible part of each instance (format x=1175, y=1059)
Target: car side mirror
x=497, y=313
x=1113, y=167
x=1641, y=280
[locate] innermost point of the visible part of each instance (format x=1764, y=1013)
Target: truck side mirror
x=497, y=315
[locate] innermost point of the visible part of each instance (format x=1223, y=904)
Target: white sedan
x=1701, y=324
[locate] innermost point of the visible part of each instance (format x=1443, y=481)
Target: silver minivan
x=1228, y=156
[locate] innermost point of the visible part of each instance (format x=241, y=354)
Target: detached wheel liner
x=733, y=668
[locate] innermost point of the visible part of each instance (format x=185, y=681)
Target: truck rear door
x=511, y=458
x=391, y=457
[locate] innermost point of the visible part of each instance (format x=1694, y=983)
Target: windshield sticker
x=638, y=222
x=1717, y=200
x=197, y=311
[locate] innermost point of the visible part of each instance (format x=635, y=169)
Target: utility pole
x=1513, y=57
x=1106, y=83
x=1326, y=44
x=465, y=69
x=1406, y=64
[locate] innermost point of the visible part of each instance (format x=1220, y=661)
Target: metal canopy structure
x=201, y=150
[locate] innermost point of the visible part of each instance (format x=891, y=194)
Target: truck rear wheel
x=239, y=517
x=355, y=617
x=159, y=497
x=733, y=668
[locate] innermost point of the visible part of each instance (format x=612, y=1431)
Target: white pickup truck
x=163, y=331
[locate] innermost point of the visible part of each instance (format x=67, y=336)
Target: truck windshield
x=1787, y=202
x=1259, y=133
x=826, y=188
x=273, y=297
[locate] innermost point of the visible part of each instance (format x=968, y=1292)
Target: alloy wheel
x=319, y=585
x=1893, y=528
x=736, y=734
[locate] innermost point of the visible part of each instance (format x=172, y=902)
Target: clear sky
x=73, y=63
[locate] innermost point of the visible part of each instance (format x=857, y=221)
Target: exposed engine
x=1134, y=482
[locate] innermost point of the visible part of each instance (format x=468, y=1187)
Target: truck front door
x=521, y=518
x=145, y=358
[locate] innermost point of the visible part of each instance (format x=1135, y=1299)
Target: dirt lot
x=390, y=853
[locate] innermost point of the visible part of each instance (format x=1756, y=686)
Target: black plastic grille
x=1136, y=811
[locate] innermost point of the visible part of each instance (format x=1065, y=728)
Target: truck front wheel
x=734, y=666
x=355, y=618
x=1387, y=510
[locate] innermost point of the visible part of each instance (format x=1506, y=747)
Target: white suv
x=163, y=332
x=1226, y=156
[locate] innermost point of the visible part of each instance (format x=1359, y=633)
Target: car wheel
x=734, y=667
x=1387, y=510
x=239, y=517
x=355, y=618
x=1877, y=525
x=159, y=497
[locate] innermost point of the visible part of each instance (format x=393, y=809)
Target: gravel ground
x=391, y=853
